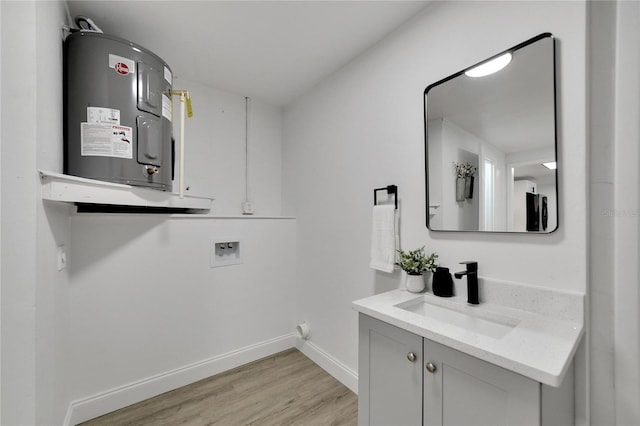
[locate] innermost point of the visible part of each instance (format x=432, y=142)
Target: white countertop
x=537, y=345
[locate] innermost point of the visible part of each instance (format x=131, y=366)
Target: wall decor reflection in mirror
x=490, y=136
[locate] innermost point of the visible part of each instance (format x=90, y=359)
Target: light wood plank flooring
x=284, y=389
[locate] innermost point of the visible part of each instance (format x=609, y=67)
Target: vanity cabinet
x=389, y=375
x=463, y=390
x=405, y=379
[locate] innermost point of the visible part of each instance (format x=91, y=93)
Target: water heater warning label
x=103, y=115
x=106, y=140
x=166, y=107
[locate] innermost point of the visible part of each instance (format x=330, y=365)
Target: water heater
x=117, y=120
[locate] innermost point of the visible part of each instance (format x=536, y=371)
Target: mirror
x=490, y=144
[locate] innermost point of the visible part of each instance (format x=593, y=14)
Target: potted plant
x=417, y=266
x=464, y=180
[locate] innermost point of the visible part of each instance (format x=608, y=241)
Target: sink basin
x=470, y=318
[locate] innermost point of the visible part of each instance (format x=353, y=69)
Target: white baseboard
x=105, y=402
x=338, y=370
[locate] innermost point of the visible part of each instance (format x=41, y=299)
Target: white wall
x=614, y=206
x=626, y=217
x=1, y=84
x=52, y=222
x=215, y=149
x=34, y=308
x=18, y=214
x=363, y=128
x=461, y=147
x=435, y=165
x=145, y=302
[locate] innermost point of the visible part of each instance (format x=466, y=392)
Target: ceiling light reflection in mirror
x=490, y=67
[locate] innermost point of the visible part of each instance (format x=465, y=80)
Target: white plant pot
x=415, y=283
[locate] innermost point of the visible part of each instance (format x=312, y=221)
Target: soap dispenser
x=442, y=282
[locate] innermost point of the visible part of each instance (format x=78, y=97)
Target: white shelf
x=77, y=190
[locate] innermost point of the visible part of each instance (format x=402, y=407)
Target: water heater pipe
x=184, y=99
x=181, y=178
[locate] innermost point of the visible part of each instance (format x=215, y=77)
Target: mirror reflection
x=491, y=144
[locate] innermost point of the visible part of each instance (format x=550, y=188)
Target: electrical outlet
x=247, y=207
x=62, y=258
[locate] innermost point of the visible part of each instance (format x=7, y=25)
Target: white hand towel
x=384, y=238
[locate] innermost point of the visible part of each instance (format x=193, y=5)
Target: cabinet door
x=464, y=390
x=389, y=375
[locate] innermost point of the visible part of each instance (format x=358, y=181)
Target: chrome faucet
x=472, y=280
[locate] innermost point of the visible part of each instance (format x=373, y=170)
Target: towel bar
x=391, y=189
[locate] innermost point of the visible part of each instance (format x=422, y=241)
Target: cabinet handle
x=412, y=357
x=431, y=368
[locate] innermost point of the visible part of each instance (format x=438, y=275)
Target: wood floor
x=284, y=389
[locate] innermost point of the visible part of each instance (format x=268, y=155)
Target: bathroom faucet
x=472, y=280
